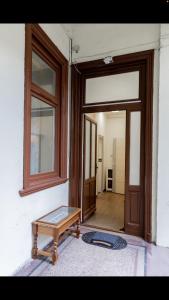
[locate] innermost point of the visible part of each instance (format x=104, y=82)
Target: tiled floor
x=109, y=211
x=156, y=259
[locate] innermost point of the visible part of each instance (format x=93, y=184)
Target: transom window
x=43, y=75
x=112, y=88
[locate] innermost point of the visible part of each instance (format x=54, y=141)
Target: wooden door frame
x=142, y=61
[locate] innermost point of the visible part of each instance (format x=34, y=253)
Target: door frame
x=142, y=61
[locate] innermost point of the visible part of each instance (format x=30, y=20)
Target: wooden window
x=45, y=130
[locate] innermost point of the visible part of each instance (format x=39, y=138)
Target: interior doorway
x=104, y=206
x=131, y=89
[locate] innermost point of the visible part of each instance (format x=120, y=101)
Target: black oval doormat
x=106, y=240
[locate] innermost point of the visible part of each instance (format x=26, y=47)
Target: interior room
x=110, y=170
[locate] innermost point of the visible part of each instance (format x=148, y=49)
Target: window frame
x=37, y=40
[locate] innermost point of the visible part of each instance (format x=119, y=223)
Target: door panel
x=89, y=167
x=134, y=197
x=93, y=193
x=99, y=175
x=87, y=149
x=86, y=203
x=93, y=150
x=134, y=173
x=135, y=137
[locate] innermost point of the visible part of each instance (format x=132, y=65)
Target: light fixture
x=108, y=59
x=76, y=48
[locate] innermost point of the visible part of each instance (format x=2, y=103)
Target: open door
x=89, y=167
x=99, y=174
x=135, y=173
x=138, y=190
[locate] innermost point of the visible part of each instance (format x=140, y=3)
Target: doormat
x=105, y=240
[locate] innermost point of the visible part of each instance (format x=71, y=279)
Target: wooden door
x=135, y=173
x=89, y=167
x=100, y=165
x=119, y=165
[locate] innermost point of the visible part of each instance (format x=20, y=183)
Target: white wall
x=99, y=40
x=58, y=37
x=17, y=212
x=163, y=142
x=116, y=129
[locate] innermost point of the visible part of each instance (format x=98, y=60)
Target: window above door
x=112, y=88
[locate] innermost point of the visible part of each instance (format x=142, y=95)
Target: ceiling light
x=108, y=60
x=76, y=48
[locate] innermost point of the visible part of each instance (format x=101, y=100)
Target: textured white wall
x=163, y=142
x=17, y=212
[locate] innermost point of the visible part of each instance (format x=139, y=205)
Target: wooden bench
x=54, y=224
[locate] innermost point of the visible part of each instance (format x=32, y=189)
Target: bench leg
x=55, y=254
x=78, y=228
x=35, y=237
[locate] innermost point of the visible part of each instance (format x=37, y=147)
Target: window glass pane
x=135, y=130
x=112, y=88
x=93, y=162
x=58, y=215
x=43, y=75
x=87, y=150
x=42, y=137
x=110, y=184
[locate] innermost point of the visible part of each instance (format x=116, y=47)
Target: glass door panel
x=135, y=132
x=93, y=152
x=87, y=149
